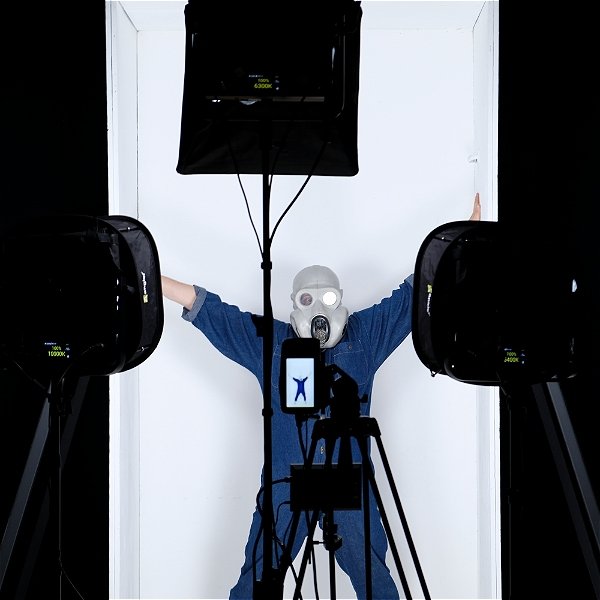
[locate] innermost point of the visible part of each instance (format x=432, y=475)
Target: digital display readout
x=57, y=351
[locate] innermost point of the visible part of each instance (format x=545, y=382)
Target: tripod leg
x=307, y=552
x=332, y=588
x=332, y=542
x=403, y=519
x=370, y=479
x=367, y=535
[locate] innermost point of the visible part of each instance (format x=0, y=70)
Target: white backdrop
x=187, y=424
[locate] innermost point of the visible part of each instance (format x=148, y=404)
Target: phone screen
x=300, y=383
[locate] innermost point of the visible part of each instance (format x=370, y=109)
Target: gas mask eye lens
x=306, y=299
x=329, y=298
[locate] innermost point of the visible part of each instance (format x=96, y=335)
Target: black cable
x=255, y=548
x=270, y=184
x=308, y=177
x=73, y=586
x=237, y=172
x=259, y=509
x=299, y=422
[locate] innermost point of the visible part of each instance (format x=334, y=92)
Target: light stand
x=574, y=478
x=59, y=408
x=470, y=274
x=271, y=586
x=56, y=426
x=286, y=75
x=106, y=267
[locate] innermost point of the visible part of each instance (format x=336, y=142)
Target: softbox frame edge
x=225, y=137
x=498, y=308
x=80, y=307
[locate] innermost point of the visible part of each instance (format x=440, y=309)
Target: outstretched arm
x=476, y=214
x=177, y=291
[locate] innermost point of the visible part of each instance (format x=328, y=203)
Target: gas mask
x=318, y=312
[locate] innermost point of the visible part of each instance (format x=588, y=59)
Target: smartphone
x=300, y=376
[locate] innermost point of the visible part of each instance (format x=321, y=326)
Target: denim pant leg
x=351, y=556
x=243, y=589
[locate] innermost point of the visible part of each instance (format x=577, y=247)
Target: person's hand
x=476, y=214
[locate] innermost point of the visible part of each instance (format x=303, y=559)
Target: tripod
x=52, y=438
x=337, y=490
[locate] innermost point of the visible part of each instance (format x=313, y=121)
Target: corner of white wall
x=124, y=513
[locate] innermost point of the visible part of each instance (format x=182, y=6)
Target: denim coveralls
x=371, y=336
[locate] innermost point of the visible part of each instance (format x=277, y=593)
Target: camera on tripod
x=340, y=483
x=307, y=385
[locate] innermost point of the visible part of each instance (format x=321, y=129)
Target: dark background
x=548, y=185
x=55, y=162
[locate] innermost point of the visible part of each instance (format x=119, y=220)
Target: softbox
x=492, y=305
x=81, y=293
x=280, y=74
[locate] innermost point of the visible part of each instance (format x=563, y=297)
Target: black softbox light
x=81, y=293
x=492, y=305
x=285, y=74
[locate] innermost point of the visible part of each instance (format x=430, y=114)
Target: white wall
x=186, y=428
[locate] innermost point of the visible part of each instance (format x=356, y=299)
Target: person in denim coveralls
x=365, y=342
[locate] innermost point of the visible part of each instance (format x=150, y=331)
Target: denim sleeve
x=190, y=315
x=384, y=326
x=230, y=330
